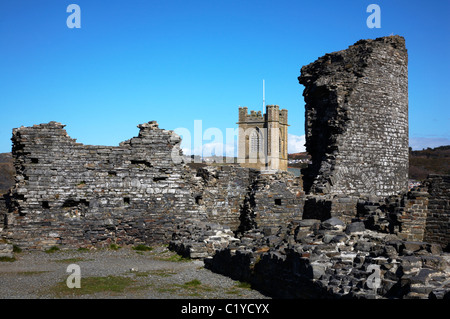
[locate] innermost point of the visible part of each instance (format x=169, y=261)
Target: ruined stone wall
x=421, y=214
x=71, y=194
x=357, y=119
x=244, y=198
x=323, y=207
x=67, y=193
x=220, y=192
x=274, y=200
x=438, y=218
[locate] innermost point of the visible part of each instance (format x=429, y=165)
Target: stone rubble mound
x=320, y=259
x=198, y=239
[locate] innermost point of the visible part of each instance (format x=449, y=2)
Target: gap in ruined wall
x=75, y=203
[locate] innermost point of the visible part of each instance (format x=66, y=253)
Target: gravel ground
x=152, y=274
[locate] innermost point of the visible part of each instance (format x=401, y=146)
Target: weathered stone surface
x=334, y=264
x=437, y=228
x=357, y=119
x=6, y=250
x=72, y=194
x=333, y=223
x=355, y=227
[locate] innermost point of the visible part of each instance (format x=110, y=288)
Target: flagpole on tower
x=264, y=97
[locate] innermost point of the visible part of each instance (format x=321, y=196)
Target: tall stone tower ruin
x=263, y=138
x=357, y=119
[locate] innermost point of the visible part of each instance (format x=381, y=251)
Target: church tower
x=263, y=138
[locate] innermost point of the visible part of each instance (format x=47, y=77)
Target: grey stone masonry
x=71, y=194
x=243, y=198
x=357, y=119
x=438, y=218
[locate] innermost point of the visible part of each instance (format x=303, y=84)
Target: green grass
x=244, y=285
x=92, y=285
x=192, y=284
x=52, y=250
x=114, y=247
x=238, y=288
x=7, y=259
x=142, y=247
x=193, y=288
x=17, y=249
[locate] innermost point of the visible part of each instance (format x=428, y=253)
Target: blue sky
x=179, y=61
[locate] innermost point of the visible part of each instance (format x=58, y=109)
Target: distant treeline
x=429, y=161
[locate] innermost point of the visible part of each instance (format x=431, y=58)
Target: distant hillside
x=429, y=161
x=301, y=155
x=421, y=163
x=6, y=172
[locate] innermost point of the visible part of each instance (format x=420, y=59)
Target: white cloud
x=419, y=143
x=296, y=143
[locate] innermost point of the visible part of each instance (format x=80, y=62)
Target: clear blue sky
x=178, y=61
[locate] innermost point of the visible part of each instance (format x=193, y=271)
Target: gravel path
x=156, y=274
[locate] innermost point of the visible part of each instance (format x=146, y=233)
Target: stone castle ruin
x=315, y=236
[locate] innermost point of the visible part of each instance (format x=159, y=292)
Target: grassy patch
x=92, y=285
x=189, y=288
x=142, y=247
x=52, y=250
x=114, y=247
x=244, y=285
x=194, y=287
x=17, y=249
x=238, y=287
x=7, y=259
x=193, y=283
